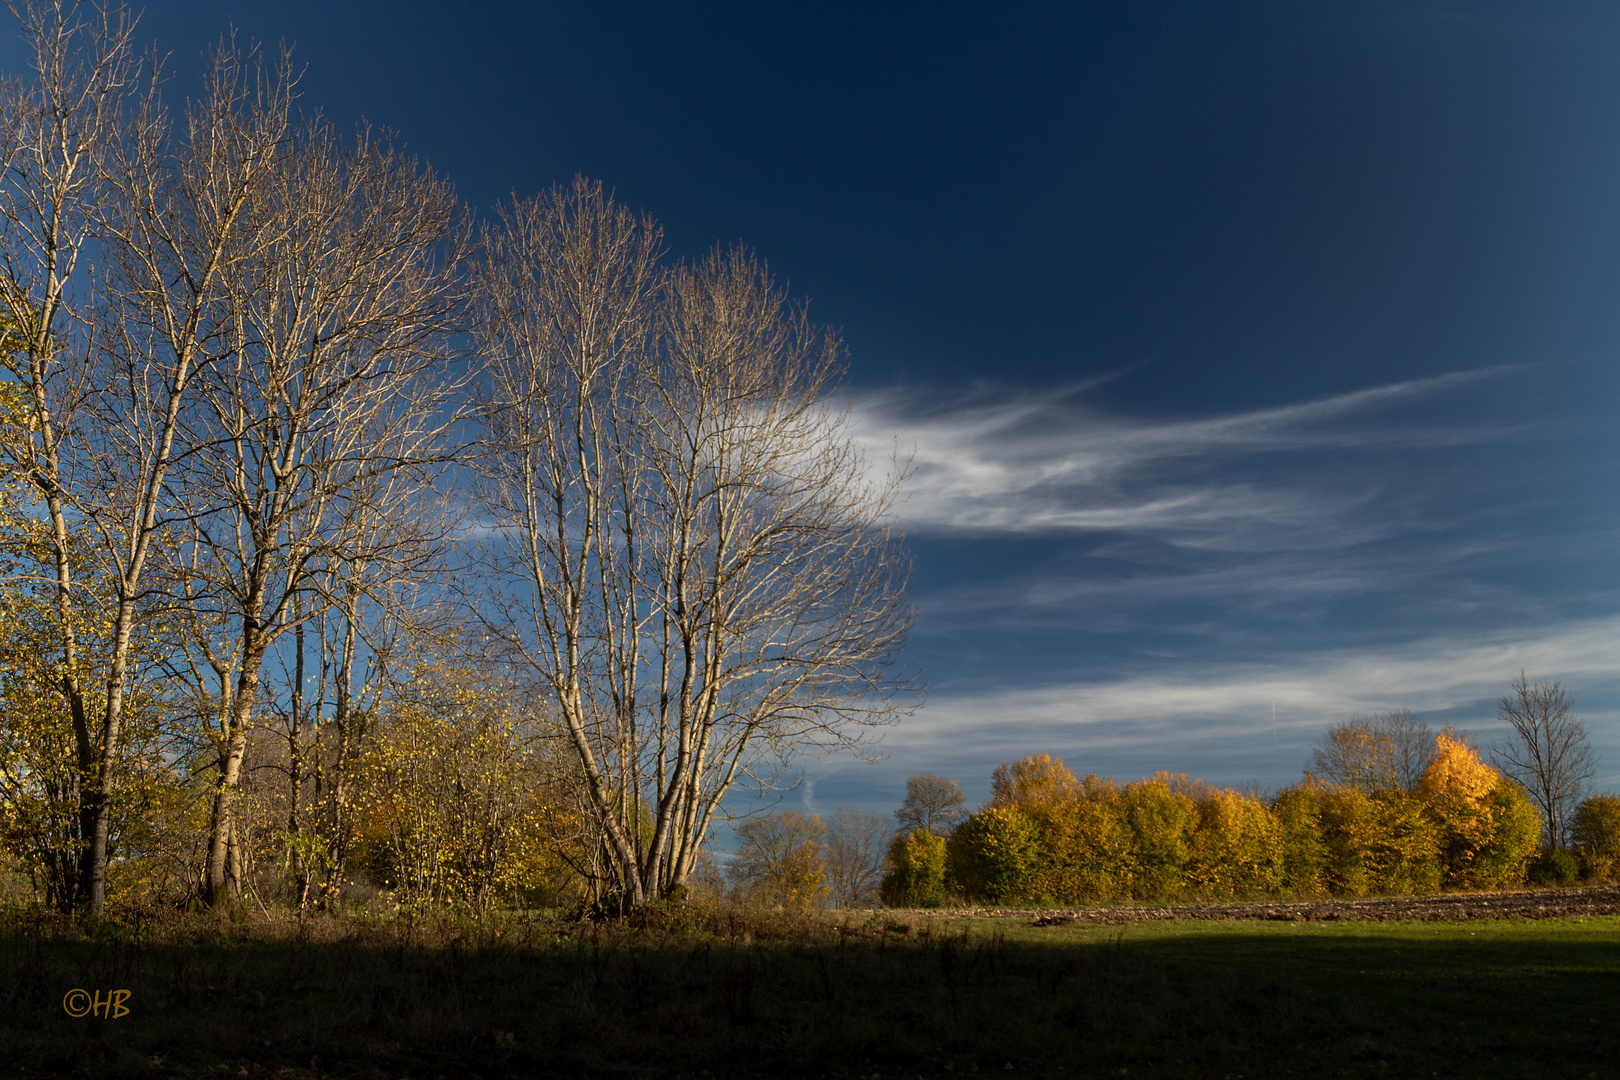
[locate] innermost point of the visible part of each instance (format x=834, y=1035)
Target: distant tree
x=1375, y=752
x=996, y=854
x=855, y=851
x=781, y=858
x=1032, y=782
x=932, y=803
x=1548, y=752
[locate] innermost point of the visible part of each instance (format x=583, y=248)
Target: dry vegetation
x=730, y=991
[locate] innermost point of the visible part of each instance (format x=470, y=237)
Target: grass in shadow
x=726, y=992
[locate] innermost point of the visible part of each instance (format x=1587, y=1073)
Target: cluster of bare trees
x=1545, y=751
x=234, y=410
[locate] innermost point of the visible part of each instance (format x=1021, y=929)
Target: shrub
x=1405, y=857
x=1298, y=811
x=1515, y=839
x=1160, y=821
x=1236, y=847
x=916, y=876
x=1596, y=834
x=996, y=854
x=1555, y=867
x=1383, y=843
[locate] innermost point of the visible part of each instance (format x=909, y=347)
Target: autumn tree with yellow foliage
x=1487, y=827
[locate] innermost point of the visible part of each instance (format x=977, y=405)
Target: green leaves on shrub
x=995, y=855
x=916, y=876
x=1555, y=867
x=1596, y=834
x=1503, y=860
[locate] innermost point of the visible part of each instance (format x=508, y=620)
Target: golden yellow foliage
x=1380, y=843
x=995, y=855
x=1298, y=811
x=1236, y=847
x=1032, y=782
x=1088, y=851
x=456, y=809
x=916, y=876
x=1160, y=821
x=1456, y=788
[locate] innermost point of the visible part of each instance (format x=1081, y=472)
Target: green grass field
x=734, y=994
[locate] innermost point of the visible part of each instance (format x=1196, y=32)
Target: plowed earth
x=1542, y=904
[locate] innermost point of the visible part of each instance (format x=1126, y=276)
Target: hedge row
x=1047, y=837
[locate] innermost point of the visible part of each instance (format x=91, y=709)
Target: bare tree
x=857, y=844
x=1375, y=752
x=1548, y=755
x=333, y=388
x=700, y=574
x=933, y=803
x=1413, y=746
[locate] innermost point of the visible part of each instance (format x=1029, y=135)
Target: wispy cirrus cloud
x=1024, y=463
x=1254, y=717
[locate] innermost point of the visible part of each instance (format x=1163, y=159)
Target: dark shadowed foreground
x=734, y=993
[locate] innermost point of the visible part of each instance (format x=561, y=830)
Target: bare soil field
x=1451, y=907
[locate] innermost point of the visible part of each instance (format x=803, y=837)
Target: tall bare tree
x=934, y=803
x=88, y=156
x=856, y=848
x=701, y=577
x=1548, y=753
x=340, y=303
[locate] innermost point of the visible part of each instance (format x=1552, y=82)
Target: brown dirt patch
x=1537, y=904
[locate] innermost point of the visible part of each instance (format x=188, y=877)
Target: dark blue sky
x=1260, y=360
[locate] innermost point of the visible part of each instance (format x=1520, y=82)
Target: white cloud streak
x=1032, y=463
x=1216, y=702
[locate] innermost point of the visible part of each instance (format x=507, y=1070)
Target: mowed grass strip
x=740, y=994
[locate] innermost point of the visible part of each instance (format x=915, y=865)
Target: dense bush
x=1088, y=846
x=1298, y=811
x=1044, y=835
x=996, y=854
x=1160, y=821
x=1555, y=867
x=1380, y=843
x=1596, y=834
x=916, y=876
x=1457, y=788
x=1504, y=859
x=1236, y=847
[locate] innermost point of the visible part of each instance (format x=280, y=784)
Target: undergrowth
x=723, y=991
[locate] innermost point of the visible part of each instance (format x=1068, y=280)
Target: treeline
x=1048, y=836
